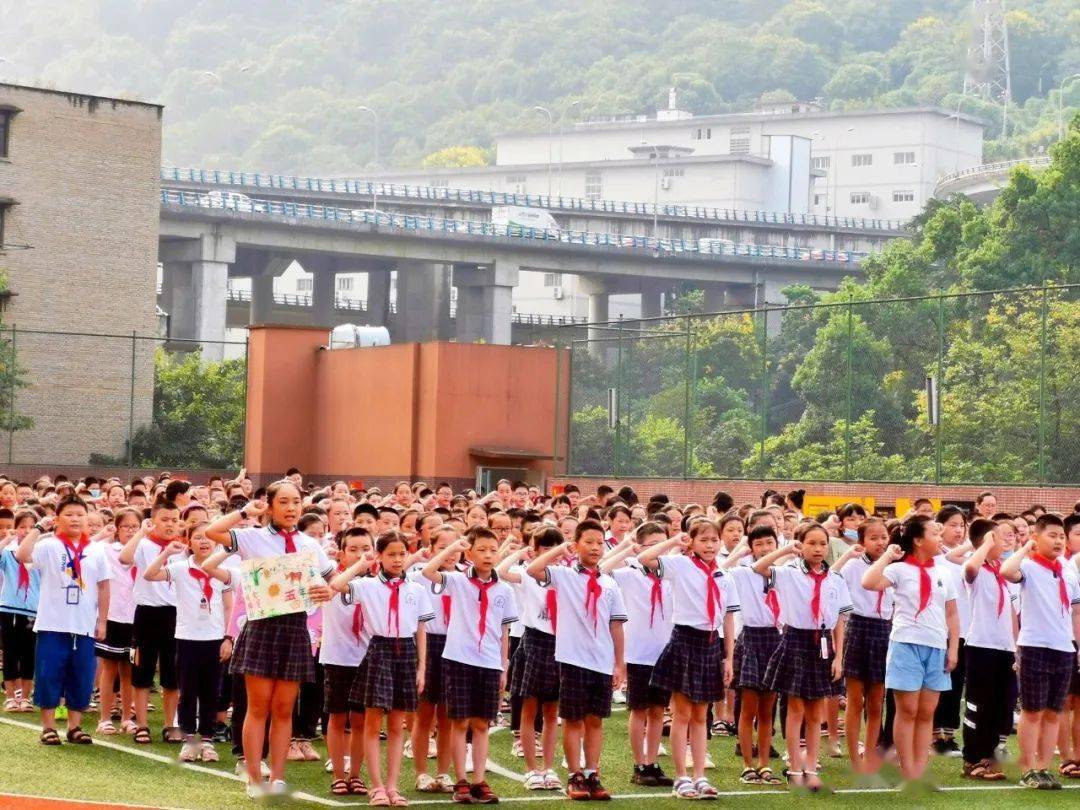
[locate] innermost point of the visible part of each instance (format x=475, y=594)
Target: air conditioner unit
x=665, y=183
x=557, y=293
x=874, y=202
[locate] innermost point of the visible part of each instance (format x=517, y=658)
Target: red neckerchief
x=357, y=613
x=815, y=601
x=24, y=579
x=290, y=545
x=446, y=609
x=880, y=594
x=483, y=588
x=593, y=590
x=656, y=594
x=926, y=587
x=995, y=569
x=772, y=602
x=1054, y=567
x=551, y=601
x=393, y=608
x=712, y=589
x=203, y=578
x=76, y=552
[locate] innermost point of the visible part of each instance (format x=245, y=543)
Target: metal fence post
x=764, y=389
x=11, y=397
x=555, y=414
x=850, y=383
x=688, y=393
x=938, y=449
x=618, y=402
x=1042, y=384
x=131, y=408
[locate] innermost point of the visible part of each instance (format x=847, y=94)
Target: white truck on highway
x=516, y=216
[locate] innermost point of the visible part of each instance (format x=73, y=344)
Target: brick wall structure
x=80, y=189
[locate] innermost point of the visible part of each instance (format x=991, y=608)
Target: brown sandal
x=141, y=735
x=1070, y=769
x=78, y=736
x=357, y=786
x=339, y=787
x=50, y=737
x=983, y=770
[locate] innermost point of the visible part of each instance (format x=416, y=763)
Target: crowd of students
x=439, y=612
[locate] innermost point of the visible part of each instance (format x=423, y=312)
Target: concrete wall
x=84, y=172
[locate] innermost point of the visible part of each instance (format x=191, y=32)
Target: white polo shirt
x=63, y=606
x=463, y=641
x=121, y=582
x=752, y=588
x=531, y=599
x=929, y=627
x=340, y=645
x=196, y=618
x=152, y=594
x=963, y=599
x=579, y=640
x=254, y=543
x=863, y=602
x=689, y=594
x=795, y=588
x=441, y=603
x=648, y=624
x=987, y=628
x=373, y=596
x=1044, y=621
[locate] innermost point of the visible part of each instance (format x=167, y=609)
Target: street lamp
x=375, y=130
x=551, y=126
x=562, y=122
x=1061, y=92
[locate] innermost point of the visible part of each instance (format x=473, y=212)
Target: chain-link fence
x=72, y=398
x=959, y=388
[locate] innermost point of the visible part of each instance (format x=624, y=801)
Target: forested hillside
x=277, y=85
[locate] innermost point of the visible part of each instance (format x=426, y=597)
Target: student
x=274, y=654
x=649, y=623
x=924, y=639
x=1047, y=644
x=697, y=662
x=1069, y=736
x=476, y=652
x=202, y=604
x=809, y=659
x=432, y=700
x=344, y=644
x=72, y=611
x=114, y=652
x=947, y=715
x=154, y=622
x=760, y=636
x=392, y=675
x=990, y=651
x=866, y=646
x=19, y=595
x=535, y=672
x=589, y=649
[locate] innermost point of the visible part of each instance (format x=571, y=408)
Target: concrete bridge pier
x=263, y=272
x=195, y=288
x=378, y=293
x=423, y=303
x=484, y=307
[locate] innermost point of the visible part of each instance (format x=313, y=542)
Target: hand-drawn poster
x=275, y=586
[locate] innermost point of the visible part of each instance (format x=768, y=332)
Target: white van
x=515, y=216
x=723, y=246
x=233, y=200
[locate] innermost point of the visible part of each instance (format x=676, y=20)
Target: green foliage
x=456, y=157
x=12, y=376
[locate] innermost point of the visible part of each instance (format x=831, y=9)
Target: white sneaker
x=565, y=765
x=189, y=752
x=406, y=750
x=534, y=780
x=444, y=783
x=208, y=752
x=425, y=784
x=255, y=791
x=618, y=697
x=432, y=748
x=708, y=761
x=552, y=781
x=278, y=788
x=516, y=749
x=329, y=768
x=264, y=769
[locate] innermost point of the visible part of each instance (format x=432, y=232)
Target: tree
x=855, y=81
x=456, y=157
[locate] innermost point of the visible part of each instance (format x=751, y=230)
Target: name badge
x=824, y=646
x=204, y=610
x=73, y=593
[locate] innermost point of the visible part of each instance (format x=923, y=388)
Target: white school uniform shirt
x=752, y=588
x=963, y=598
x=689, y=593
x=864, y=602
x=373, y=596
x=988, y=629
x=463, y=641
x=929, y=627
x=153, y=594
x=196, y=619
x=578, y=640
x=62, y=606
x=648, y=626
x=1044, y=621
x=795, y=589
x=531, y=601
x=266, y=541
x=121, y=584
x=436, y=626
x=340, y=645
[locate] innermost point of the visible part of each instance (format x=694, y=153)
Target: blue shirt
x=14, y=599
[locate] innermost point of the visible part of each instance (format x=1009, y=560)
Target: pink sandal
x=377, y=797
x=396, y=799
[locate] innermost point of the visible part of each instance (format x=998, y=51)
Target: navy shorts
x=64, y=668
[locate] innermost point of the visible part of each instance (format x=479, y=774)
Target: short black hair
x=1048, y=519
x=365, y=509
x=176, y=487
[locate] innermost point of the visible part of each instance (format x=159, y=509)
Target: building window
x=3, y=213
x=903, y=196
x=903, y=158
x=344, y=283
x=819, y=200
x=303, y=284
x=5, y=129
x=821, y=162
x=552, y=279
x=515, y=183
x=674, y=172
x=863, y=159
x=739, y=142
x=860, y=197
x=594, y=186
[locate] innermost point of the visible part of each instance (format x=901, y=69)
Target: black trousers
x=947, y=713
x=19, y=643
x=989, y=712
x=199, y=673
x=308, y=707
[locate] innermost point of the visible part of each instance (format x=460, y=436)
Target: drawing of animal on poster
x=276, y=586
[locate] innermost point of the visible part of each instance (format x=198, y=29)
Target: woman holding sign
x=273, y=654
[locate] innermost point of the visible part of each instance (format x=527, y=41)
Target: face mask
x=95, y=492
x=1006, y=554
x=851, y=534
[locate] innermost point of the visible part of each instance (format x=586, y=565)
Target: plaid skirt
x=534, y=672
x=640, y=693
x=278, y=648
x=1074, y=687
x=797, y=668
x=337, y=689
x=433, y=670
x=753, y=650
x=387, y=678
x=1045, y=676
x=470, y=691
x=866, y=645
x=583, y=692
x=692, y=663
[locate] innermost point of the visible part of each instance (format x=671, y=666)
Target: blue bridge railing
x=410, y=222
x=368, y=188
